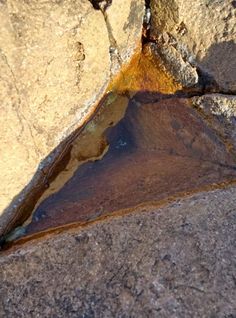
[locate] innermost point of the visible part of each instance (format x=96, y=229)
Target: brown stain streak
x=11, y=247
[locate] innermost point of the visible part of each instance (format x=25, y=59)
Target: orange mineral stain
x=145, y=72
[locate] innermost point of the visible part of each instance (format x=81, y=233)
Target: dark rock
x=175, y=261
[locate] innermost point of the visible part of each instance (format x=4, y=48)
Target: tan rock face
x=203, y=32
x=55, y=65
x=126, y=20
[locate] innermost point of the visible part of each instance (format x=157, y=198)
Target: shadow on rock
x=220, y=64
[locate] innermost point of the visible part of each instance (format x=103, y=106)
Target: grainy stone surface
x=220, y=110
x=125, y=21
x=184, y=73
x=175, y=261
x=201, y=33
x=56, y=63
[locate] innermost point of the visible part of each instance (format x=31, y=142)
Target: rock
x=220, y=111
x=202, y=32
x=56, y=64
x=173, y=261
x=182, y=71
x=124, y=22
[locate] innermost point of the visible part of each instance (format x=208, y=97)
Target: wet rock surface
x=174, y=261
x=156, y=151
x=56, y=61
x=200, y=34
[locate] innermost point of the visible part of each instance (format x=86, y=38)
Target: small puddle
x=155, y=151
x=140, y=147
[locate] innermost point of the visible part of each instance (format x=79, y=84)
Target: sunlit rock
x=200, y=34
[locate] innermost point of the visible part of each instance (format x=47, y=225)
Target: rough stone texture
x=183, y=72
x=175, y=261
x=202, y=33
x=55, y=65
x=126, y=21
x=221, y=112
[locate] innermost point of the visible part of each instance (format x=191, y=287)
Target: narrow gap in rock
x=207, y=82
x=101, y=4
x=95, y=4
x=114, y=53
x=146, y=38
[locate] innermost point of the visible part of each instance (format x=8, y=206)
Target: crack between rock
x=114, y=53
x=189, y=287
x=146, y=37
x=113, y=49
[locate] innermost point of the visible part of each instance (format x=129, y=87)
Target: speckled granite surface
x=175, y=261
